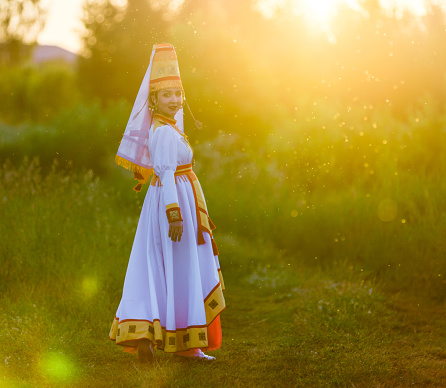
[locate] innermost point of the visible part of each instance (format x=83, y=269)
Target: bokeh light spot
x=90, y=286
x=294, y=213
x=57, y=367
x=387, y=210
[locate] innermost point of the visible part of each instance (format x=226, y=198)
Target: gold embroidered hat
x=165, y=72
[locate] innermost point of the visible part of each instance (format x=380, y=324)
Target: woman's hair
x=151, y=103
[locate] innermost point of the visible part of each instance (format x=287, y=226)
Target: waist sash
x=185, y=173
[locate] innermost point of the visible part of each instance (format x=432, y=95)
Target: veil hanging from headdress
x=163, y=72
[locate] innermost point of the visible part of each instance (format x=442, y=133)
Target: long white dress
x=173, y=291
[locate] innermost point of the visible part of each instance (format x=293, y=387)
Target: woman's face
x=169, y=102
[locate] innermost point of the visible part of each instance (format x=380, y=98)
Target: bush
x=32, y=93
x=338, y=190
x=83, y=137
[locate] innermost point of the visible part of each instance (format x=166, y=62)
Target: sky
x=62, y=24
x=63, y=19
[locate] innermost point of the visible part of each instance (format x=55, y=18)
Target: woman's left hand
x=176, y=230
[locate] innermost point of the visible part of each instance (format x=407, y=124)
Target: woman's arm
x=164, y=165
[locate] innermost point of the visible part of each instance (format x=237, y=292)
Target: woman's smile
x=170, y=102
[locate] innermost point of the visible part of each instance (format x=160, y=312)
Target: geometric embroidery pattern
x=151, y=330
x=171, y=340
x=132, y=328
x=202, y=336
x=186, y=337
x=119, y=332
x=213, y=304
x=174, y=214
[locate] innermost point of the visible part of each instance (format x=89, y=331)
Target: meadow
x=331, y=237
x=322, y=161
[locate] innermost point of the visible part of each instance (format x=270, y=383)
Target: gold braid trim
x=119, y=160
x=165, y=55
x=168, y=84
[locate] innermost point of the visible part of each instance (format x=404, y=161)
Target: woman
x=173, y=289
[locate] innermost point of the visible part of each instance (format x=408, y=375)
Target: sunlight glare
x=89, y=286
x=268, y=8
x=320, y=13
x=57, y=367
x=399, y=7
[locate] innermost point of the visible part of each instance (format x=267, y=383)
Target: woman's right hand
x=176, y=230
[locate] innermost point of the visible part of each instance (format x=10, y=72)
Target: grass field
x=65, y=245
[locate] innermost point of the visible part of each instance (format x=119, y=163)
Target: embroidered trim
x=173, y=213
x=180, y=173
x=127, y=332
x=128, y=165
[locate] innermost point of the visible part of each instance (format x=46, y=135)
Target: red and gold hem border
x=128, y=332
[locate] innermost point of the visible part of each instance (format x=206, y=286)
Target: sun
x=320, y=13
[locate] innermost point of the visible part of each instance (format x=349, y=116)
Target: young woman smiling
x=173, y=289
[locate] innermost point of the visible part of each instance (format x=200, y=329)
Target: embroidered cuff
x=173, y=212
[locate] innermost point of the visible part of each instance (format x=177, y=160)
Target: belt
x=185, y=173
x=184, y=169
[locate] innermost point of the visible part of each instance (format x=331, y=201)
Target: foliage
x=65, y=243
x=117, y=47
x=323, y=167
x=336, y=189
x=267, y=65
x=31, y=93
x=20, y=23
x=81, y=137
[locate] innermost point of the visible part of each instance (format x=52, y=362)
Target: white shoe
x=198, y=354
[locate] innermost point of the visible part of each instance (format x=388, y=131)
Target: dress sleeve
x=164, y=165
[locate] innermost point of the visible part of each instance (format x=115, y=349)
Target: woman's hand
x=176, y=230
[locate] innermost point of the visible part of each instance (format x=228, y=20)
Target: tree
x=20, y=23
x=118, y=43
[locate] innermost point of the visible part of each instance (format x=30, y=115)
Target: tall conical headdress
x=163, y=73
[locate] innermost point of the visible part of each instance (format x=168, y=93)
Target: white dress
x=173, y=291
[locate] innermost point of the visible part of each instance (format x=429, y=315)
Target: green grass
x=65, y=244
x=327, y=188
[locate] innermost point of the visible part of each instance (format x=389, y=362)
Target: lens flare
x=57, y=367
x=320, y=13
x=90, y=286
x=387, y=210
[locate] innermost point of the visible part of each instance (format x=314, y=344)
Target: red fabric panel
x=214, y=334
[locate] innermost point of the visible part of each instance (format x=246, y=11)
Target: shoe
x=145, y=350
x=196, y=354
